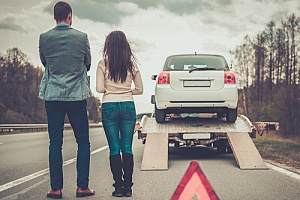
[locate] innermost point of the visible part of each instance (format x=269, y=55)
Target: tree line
x=269, y=73
x=19, y=88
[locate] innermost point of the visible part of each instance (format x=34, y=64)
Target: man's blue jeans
x=118, y=119
x=77, y=114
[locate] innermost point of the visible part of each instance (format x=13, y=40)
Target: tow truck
x=202, y=130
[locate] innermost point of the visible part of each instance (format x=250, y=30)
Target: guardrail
x=25, y=128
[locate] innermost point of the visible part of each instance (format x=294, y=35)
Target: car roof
x=196, y=54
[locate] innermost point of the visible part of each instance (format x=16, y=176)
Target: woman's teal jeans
x=118, y=119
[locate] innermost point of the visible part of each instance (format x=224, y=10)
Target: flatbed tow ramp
x=155, y=155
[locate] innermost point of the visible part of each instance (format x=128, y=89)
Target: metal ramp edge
x=155, y=156
x=245, y=151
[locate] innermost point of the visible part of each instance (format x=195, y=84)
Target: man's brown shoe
x=54, y=194
x=84, y=192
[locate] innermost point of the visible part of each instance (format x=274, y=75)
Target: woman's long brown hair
x=118, y=56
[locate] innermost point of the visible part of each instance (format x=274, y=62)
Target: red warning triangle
x=194, y=185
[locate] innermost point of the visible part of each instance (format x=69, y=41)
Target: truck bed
x=155, y=155
x=197, y=125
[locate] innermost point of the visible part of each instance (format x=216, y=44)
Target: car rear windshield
x=186, y=63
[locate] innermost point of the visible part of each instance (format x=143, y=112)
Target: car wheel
x=160, y=115
x=231, y=115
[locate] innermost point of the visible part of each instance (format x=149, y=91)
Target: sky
x=155, y=28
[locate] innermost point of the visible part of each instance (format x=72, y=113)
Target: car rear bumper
x=178, y=110
x=196, y=101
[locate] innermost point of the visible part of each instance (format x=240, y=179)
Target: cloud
x=112, y=11
x=156, y=28
x=127, y=7
x=182, y=7
x=109, y=12
x=139, y=45
x=10, y=23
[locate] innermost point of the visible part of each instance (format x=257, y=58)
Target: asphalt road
x=24, y=154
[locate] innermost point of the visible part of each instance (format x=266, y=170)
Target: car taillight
x=163, y=78
x=230, y=78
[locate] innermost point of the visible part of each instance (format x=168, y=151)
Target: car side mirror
x=153, y=77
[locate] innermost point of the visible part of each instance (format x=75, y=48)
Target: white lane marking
x=284, y=171
x=15, y=196
x=41, y=173
x=1, y=143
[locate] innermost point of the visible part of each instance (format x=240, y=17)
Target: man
x=65, y=54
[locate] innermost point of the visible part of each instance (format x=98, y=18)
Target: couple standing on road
x=65, y=54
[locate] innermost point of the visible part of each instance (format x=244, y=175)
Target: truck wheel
x=228, y=149
x=220, y=115
x=160, y=115
x=231, y=115
x=221, y=148
x=176, y=144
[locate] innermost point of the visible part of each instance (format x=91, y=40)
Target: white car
x=195, y=83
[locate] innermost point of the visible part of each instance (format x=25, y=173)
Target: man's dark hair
x=62, y=10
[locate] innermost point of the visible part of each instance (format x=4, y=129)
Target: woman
x=115, y=74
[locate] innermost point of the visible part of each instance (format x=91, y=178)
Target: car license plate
x=196, y=136
x=196, y=83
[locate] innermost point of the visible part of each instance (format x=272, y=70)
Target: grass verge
x=280, y=150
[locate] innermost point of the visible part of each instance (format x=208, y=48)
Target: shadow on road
x=198, y=153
